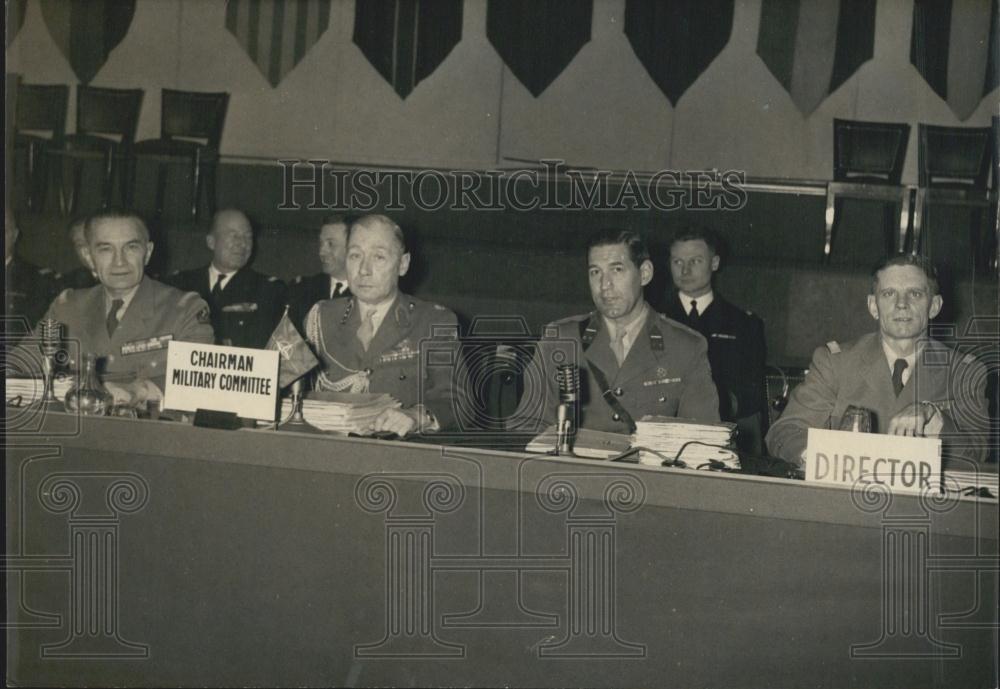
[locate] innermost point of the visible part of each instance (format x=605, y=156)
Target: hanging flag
x=295, y=358
x=406, y=40
x=676, y=41
x=813, y=46
x=954, y=47
x=86, y=31
x=537, y=39
x=277, y=34
x=15, y=18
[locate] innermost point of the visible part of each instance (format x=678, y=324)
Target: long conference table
x=150, y=553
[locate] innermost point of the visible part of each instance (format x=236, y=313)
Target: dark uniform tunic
x=665, y=373
x=28, y=291
x=137, y=349
x=248, y=310
x=736, y=352
x=393, y=363
x=305, y=291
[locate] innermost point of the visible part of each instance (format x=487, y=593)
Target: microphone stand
x=569, y=385
x=49, y=345
x=295, y=421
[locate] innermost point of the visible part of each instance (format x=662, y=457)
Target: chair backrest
x=875, y=150
x=954, y=154
x=193, y=114
x=41, y=107
x=108, y=111
x=778, y=384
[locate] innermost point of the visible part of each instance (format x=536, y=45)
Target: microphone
x=50, y=336
x=568, y=377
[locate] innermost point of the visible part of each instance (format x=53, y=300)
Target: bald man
x=246, y=305
x=371, y=341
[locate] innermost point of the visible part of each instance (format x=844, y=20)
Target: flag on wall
x=537, y=39
x=676, y=41
x=954, y=47
x=15, y=18
x=813, y=46
x=86, y=31
x=277, y=34
x=406, y=40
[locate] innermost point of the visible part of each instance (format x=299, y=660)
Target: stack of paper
x=25, y=391
x=342, y=412
x=693, y=444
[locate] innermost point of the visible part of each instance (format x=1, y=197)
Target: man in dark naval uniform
x=246, y=305
x=28, y=289
x=370, y=342
x=633, y=362
x=332, y=281
x=736, y=348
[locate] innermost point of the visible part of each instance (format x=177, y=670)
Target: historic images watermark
x=319, y=185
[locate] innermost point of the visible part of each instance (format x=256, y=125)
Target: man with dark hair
x=82, y=276
x=127, y=319
x=371, y=341
x=331, y=282
x=28, y=289
x=246, y=305
x=913, y=385
x=736, y=348
x=633, y=362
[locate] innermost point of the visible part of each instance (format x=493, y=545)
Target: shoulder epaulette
x=833, y=346
x=64, y=295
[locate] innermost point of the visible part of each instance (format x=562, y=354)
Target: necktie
x=897, y=375
x=618, y=345
x=367, y=330
x=112, y=321
x=217, y=287
x=338, y=288
x=693, y=313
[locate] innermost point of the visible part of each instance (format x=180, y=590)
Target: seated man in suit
x=246, y=305
x=913, y=385
x=332, y=281
x=83, y=276
x=127, y=319
x=735, y=337
x=28, y=289
x=370, y=341
x=633, y=362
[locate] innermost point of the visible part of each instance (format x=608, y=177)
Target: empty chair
x=39, y=126
x=779, y=383
x=954, y=169
x=106, y=120
x=868, y=162
x=191, y=125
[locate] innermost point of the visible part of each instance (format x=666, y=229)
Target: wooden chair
x=954, y=170
x=191, y=124
x=868, y=162
x=106, y=120
x=39, y=126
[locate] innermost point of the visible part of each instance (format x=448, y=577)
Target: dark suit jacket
x=249, y=309
x=857, y=373
x=28, y=291
x=304, y=292
x=736, y=351
x=665, y=373
x=156, y=315
x=393, y=359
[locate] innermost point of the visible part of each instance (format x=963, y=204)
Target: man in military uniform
x=633, y=362
x=128, y=319
x=913, y=385
x=28, y=289
x=246, y=305
x=736, y=349
x=83, y=276
x=332, y=281
x=370, y=342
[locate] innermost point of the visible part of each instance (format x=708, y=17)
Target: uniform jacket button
x=616, y=417
x=662, y=399
x=618, y=392
x=402, y=376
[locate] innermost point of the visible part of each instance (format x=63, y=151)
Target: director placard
x=230, y=379
x=900, y=463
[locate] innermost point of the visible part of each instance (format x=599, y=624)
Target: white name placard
x=230, y=379
x=900, y=463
